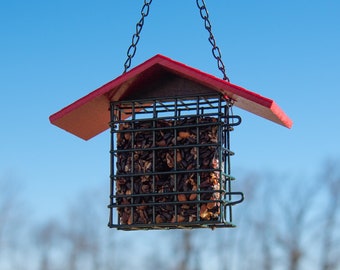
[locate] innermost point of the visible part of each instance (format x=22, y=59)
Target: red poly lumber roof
x=90, y=115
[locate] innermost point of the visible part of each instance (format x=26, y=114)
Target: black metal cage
x=170, y=163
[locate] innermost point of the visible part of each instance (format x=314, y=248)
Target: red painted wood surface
x=90, y=115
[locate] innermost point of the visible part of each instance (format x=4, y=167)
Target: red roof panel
x=90, y=115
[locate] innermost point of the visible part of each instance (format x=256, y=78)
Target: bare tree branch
x=331, y=178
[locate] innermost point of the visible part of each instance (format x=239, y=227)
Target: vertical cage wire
x=170, y=163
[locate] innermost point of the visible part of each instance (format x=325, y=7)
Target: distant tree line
x=287, y=222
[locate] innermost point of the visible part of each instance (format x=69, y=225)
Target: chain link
x=136, y=36
x=215, y=50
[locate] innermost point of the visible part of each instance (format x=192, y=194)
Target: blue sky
x=54, y=52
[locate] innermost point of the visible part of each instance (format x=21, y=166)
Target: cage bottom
x=171, y=226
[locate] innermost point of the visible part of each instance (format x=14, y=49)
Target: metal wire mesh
x=170, y=163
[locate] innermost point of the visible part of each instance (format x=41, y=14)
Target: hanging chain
x=205, y=16
x=135, y=38
x=215, y=50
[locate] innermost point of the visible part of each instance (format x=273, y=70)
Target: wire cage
x=170, y=163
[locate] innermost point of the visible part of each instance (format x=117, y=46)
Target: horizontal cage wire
x=170, y=163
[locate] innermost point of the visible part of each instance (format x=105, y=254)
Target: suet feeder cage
x=170, y=143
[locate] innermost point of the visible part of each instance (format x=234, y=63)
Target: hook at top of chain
x=136, y=36
x=215, y=49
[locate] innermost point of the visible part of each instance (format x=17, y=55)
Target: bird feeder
x=170, y=143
